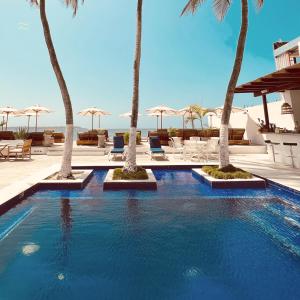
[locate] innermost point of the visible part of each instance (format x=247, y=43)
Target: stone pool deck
x=17, y=176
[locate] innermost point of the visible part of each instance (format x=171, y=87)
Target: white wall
x=293, y=98
x=249, y=121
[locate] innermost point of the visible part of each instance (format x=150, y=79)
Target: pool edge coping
x=17, y=191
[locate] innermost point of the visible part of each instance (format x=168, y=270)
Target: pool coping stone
x=78, y=183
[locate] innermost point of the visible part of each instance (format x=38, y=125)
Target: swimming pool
x=183, y=241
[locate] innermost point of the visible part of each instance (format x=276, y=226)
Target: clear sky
x=185, y=60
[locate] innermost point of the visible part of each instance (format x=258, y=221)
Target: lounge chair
x=7, y=135
x=90, y=138
x=118, y=148
x=20, y=151
x=59, y=137
x=155, y=147
x=162, y=134
x=38, y=139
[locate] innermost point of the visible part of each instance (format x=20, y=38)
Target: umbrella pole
x=36, y=116
x=99, y=122
x=28, y=123
x=161, y=120
x=183, y=127
x=3, y=121
x=157, y=116
x=192, y=121
x=92, y=121
x=6, y=121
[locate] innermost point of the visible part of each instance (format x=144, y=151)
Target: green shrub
x=120, y=174
x=172, y=132
x=138, y=138
x=228, y=172
x=21, y=133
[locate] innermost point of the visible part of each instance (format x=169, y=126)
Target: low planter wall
x=254, y=182
x=145, y=184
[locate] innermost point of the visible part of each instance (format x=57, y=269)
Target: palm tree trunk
x=130, y=165
x=201, y=123
x=224, y=149
x=66, y=166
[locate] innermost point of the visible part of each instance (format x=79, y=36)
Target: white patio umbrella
x=93, y=111
x=6, y=111
x=162, y=110
x=157, y=115
x=219, y=110
x=28, y=115
x=36, y=110
x=101, y=113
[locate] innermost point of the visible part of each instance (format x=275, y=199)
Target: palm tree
x=200, y=112
x=66, y=165
x=191, y=119
x=221, y=8
x=130, y=165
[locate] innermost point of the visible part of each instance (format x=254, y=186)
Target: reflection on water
x=183, y=241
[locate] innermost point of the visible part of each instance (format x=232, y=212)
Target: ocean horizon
x=77, y=129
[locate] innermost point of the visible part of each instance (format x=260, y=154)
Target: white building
x=284, y=141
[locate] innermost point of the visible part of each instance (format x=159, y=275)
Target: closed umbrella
x=162, y=110
x=36, y=110
x=6, y=111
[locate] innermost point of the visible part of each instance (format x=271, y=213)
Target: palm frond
x=199, y=110
x=191, y=6
x=221, y=7
x=259, y=3
x=73, y=4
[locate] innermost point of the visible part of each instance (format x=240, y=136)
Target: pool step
x=11, y=226
x=287, y=213
x=281, y=232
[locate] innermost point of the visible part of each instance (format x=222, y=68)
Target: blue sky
x=185, y=60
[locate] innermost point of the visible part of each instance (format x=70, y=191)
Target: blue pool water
x=183, y=241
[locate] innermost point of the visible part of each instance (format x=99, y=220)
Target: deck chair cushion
x=117, y=150
x=118, y=142
x=155, y=142
x=157, y=150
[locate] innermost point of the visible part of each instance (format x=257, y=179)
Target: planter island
x=253, y=182
x=142, y=184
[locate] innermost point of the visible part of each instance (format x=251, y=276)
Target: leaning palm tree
x=66, y=165
x=221, y=8
x=130, y=165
